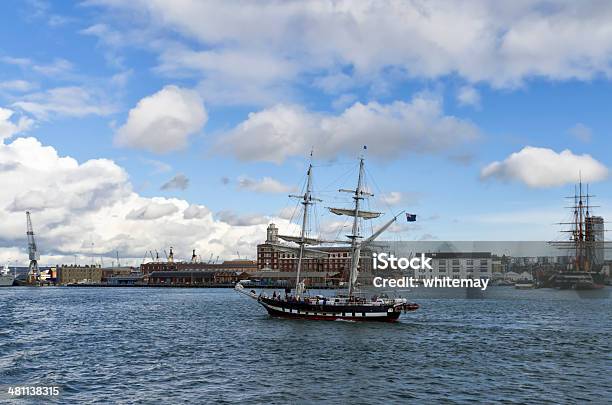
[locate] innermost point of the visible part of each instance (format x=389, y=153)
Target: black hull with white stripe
x=331, y=309
x=355, y=312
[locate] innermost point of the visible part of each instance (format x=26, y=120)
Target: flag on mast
x=410, y=217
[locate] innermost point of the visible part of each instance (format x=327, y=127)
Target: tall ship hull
x=339, y=308
x=578, y=280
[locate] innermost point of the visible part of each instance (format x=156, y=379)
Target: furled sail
x=351, y=213
x=298, y=239
x=305, y=252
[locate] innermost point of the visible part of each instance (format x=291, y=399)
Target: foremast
x=306, y=200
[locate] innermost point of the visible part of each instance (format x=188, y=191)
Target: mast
x=355, y=245
x=307, y=201
x=359, y=194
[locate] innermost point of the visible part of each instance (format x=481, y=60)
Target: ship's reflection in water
x=212, y=345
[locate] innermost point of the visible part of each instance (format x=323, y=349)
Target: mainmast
x=354, y=236
x=356, y=244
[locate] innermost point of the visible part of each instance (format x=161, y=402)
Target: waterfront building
x=458, y=265
x=243, y=266
x=196, y=278
x=273, y=255
x=595, y=234
x=110, y=272
x=79, y=274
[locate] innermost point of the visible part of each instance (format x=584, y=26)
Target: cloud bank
x=542, y=167
x=75, y=204
x=389, y=130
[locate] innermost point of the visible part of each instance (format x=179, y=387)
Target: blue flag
x=410, y=217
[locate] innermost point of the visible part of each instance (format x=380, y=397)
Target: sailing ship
x=350, y=306
x=585, y=246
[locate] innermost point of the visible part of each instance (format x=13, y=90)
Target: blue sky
x=232, y=98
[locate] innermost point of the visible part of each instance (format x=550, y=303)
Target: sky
x=134, y=126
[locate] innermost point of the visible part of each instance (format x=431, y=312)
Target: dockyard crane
x=32, y=250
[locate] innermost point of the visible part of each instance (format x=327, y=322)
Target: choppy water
x=211, y=345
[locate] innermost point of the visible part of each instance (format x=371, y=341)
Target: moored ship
x=350, y=306
x=586, y=247
x=6, y=278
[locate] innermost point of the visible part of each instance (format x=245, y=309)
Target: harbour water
x=130, y=345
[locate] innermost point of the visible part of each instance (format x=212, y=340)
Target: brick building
x=275, y=256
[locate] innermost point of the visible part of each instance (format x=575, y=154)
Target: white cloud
x=178, y=182
x=74, y=204
x=392, y=198
x=581, y=132
x=231, y=76
x=235, y=219
x=341, y=44
x=389, y=131
x=265, y=185
x=59, y=66
x=152, y=210
x=164, y=121
x=17, y=85
x=70, y=101
x=288, y=212
x=542, y=167
x=158, y=166
x=344, y=101
x=195, y=211
x=468, y=96
x=9, y=128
